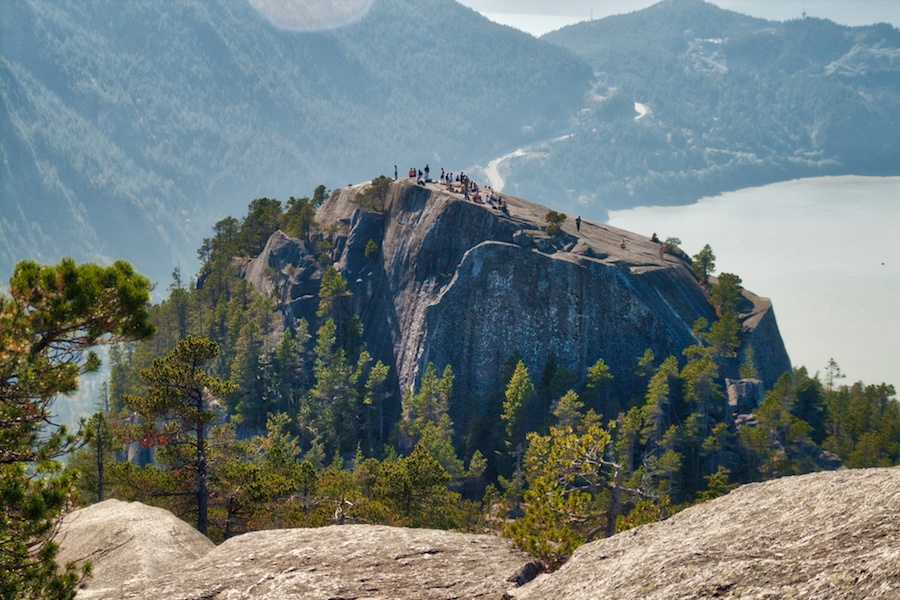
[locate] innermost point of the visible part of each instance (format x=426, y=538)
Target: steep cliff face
x=467, y=285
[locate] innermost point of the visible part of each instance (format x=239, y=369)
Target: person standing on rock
x=427, y=170
x=395, y=172
x=578, y=223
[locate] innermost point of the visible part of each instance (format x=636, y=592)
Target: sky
x=540, y=16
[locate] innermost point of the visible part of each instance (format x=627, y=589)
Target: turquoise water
x=825, y=250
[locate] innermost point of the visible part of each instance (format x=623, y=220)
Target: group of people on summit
x=461, y=184
x=470, y=190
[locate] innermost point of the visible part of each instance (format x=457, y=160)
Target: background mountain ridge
x=129, y=128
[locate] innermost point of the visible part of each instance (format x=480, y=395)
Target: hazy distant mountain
x=128, y=127
x=728, y=101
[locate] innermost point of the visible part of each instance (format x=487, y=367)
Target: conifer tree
x=748, y=367
x=426, y=420
x=375, y=196
x=597, y=386
x=519, y=407
x=183, y=396
x=704, y=264
x=50, y=321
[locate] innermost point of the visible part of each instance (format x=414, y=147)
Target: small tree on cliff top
x=704, y=264
x=554, y=222
x=376, y=195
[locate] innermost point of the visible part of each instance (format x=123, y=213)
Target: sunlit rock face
x=829, y=535
x=468, y=285
x=141, y=552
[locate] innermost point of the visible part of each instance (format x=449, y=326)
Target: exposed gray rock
x=141, y=552
x=125, y=542
x=821, y=458
x=829, y=535
x=744, y=395
x=462, y=284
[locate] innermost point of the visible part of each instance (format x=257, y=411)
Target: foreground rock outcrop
x=349, y=561
x=832, y=535
x=128, y=542
x=467, y=285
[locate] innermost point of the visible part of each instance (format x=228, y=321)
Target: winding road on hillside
x=492, y=171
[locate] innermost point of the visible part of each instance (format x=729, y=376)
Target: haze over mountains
x=128, y=128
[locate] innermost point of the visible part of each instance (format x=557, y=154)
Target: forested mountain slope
x=126, y=127
x=691, y=100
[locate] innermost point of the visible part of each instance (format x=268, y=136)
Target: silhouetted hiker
x=395, y=172
x=578, y=223
x=654, y=239
x=427, y=170
x=412, y=172
x=420, y=173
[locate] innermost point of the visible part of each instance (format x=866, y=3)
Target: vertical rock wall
x=466, y=285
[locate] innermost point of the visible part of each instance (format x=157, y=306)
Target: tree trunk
x=202, y=489
x=99, y=465
x=612, y=513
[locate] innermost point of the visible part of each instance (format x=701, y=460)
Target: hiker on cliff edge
x=578, y=223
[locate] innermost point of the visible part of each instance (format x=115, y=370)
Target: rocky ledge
x=832, y=535
x=829, y=535
x=141, y=552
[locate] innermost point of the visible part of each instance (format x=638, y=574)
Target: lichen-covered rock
x=467, y=285
x=145, y=553
x=125, y=542
x=829, y=535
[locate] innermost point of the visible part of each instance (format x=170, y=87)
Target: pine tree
x=426, y=420
x=50, y=320
x=375, y=196
x=183, y=396
x=704, y=264
x=519, y=407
